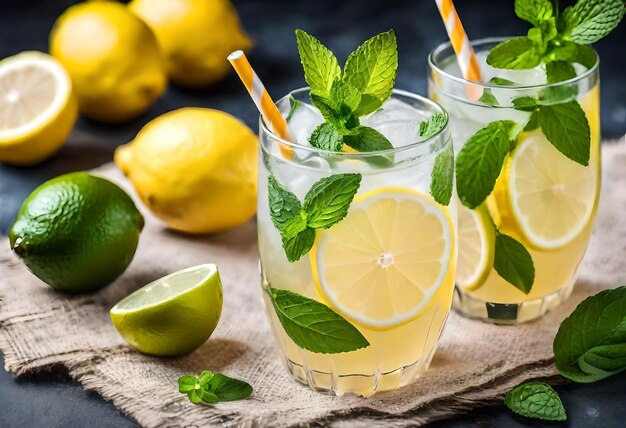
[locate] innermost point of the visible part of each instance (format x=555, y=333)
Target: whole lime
x=77, y=232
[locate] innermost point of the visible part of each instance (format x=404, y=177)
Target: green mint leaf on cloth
x=434, y=124
x=516, y=53
x=590, y=20
x=442, y=177
x=371, y=68
x=368, y=104
x=314, y=326
x=228, y=389
x=319, y=64
x=326, y=137
x=479, y=162
x=195, y=396
x=298, y=244
x=329, y=199
x=558, y=71
x=533, y=11
x=514, y=263
x=187, y=383
x=565, y=126
x=591, y=343
x=283, y=204
x=536, y=400
x=205, y=377
x=365, y=139
x=207, y=396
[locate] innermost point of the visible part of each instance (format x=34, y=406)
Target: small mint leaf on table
x=558, y=71
x=479, y=162
x=366, y=139
x=212, y=387
x=590, y=344
x=320, y=64
x=434, y=124
x=590, y=20
x=326, y=137
x=186, y=383
x=314, y=326
x=514, y=263
x=536, y=400
x=207, y=396
x=368, y=104
x=516, y=53
x=565, y=126
x=298, y=244
x=195, y=396
x=283, y=204
x=371, y=68
x=229, y=389
x=329, y=199
x=534, y=11
x=205, y=377
x=442, y=177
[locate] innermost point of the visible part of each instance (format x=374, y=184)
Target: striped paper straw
x=465, y=54
x=261, y=98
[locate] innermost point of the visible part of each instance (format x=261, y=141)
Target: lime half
x=173, y=315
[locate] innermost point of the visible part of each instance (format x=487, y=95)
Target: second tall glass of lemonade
x=543, y=203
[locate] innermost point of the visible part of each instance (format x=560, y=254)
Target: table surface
x=24, y=25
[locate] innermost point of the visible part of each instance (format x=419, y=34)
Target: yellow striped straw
x=261, y=98
x=465, y=54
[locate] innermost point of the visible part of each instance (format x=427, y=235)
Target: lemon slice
x=383, y=263
x=477, y=238
x=37, y=107
x=551, y=197
x=173, y=315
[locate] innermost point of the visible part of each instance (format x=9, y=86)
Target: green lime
x=77, y=232
x=173, y=315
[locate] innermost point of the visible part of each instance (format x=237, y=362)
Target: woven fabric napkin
x=476, y=362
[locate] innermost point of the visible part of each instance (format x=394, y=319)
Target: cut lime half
x=173, y=315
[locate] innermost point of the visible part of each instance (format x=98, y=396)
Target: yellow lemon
x=477, y=241
x=195, y=36
x=37, y=108
x=195, y=168
x=383, y=264
x=112, y=57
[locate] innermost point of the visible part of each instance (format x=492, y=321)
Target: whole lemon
x=196, y=36
x=112, y=57
x=195, y=168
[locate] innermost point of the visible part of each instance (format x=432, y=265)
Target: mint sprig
x=326, y=204
x=536, y=400
x=588, y=21
x=366, y=82
x=314, y=326
x=212, y=387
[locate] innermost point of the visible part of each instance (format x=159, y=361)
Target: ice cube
x=302, y=121
x=392, y=109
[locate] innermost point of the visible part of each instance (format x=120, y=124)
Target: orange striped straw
x=261, y=98
x=465, y=54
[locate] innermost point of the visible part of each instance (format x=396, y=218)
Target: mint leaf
x=207, y=396
x=513, y=263
x=516, y=53
x=558, y=71
x=226, y=388
x=212, y=387
x=488, y=98
x=327, y=108
x=319, y=64
x=344, y=93
x=442, y=177
x=565, y=126
x=371, y=68
x=525, y=104
x=283, y=204
x=591, y=343
x=572, y=52
x=298, y=244
x=502, y=82
x=432, y=125
x=533, y=11
x=314, y=326
x=532, y=123
x=329, y=199
x=195, y=396
x=536, y=400
x=365, y=139
x=186, y=383
x=205, y=377
x=326, y=137
x=480, y=160
x=590, y=20
x=368, y=104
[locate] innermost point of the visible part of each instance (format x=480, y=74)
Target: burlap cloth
x=475, y=363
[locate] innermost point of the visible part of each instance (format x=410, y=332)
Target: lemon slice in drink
x=477, y=237
x=551, y=197
x=173, y=315
x=37, y=108
x=383, y=263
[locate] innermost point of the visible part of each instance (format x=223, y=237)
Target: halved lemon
x=37, y=108
x=384, y=262
x=551, y=197
x=477, y=240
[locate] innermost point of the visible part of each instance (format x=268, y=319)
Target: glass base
x=508, y=313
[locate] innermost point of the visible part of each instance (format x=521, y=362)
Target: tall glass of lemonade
x=357, y=230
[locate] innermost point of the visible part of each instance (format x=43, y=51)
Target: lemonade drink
x=542, y=199
x=387, y=268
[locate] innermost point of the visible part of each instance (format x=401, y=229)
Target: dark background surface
x=53, y=400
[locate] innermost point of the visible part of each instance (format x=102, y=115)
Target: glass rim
x=360, y=155
x=486, y=40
